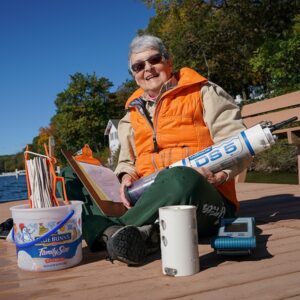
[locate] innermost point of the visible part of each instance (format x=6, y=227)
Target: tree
x=218, y=38
x=277, y=61
x=122, y=94
x=9, y=163
x=82, y=112
x=42, y=138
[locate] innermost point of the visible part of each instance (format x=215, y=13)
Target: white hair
x=144, y=42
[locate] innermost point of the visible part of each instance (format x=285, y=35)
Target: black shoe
x=131, y=244
x=151, y=237
x=5, y=228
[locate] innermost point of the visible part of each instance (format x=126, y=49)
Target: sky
x=43, y=42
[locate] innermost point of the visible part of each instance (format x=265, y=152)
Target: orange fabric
x=86, y=156
x=178, y=126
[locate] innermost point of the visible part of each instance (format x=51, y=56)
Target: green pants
x=175, y=186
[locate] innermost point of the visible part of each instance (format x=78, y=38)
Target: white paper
x=40, y=182
x=104, y=179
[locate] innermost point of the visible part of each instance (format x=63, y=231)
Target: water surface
x=12, y=188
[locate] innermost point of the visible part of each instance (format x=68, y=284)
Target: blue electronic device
x=236, y=236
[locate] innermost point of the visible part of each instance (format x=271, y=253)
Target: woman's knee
x=185, y=176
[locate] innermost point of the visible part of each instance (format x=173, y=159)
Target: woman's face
x=151, y=72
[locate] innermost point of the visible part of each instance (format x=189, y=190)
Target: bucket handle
x=47, y=234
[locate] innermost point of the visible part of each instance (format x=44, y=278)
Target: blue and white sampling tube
x=220, y=156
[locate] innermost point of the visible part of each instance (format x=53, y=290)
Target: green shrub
x=281, y=157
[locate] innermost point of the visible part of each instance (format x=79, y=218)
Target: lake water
x=12, y=188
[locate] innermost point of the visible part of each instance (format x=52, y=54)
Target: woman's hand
x=125, y=182
x=213, y=178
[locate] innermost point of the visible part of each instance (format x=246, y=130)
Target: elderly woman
x=171, y=116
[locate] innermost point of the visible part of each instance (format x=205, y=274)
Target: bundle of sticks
x=42, y=180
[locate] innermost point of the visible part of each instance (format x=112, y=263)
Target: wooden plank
x=295, y=130
x=120, y=282
x=241, y=177
x=274, y=117
x=298, y=159
x=4, y=208
x=272, y=272
x=294, y=136
x=272, y=104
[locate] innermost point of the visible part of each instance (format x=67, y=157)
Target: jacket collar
x=183, y=78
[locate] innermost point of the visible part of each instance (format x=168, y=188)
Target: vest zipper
x=155, y=142
x=157, y=108
x=147, y=117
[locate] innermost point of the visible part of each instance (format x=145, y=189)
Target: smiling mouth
x=151, y=76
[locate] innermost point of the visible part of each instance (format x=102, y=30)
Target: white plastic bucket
x=179, y=240
x=48, y=239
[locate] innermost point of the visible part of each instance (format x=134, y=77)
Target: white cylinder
x=230, y=151
x=259, y=138
x=179, y=240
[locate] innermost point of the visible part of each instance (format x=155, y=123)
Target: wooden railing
x=275, y=110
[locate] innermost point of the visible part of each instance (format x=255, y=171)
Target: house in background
x=111, y=131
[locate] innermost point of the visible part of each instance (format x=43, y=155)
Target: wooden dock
x=272, y=272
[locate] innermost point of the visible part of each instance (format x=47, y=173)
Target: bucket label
x=56, y=252
x=56, y=247
x=56, y=238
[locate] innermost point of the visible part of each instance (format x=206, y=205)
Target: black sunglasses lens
x=155, y=59
x=138, y=66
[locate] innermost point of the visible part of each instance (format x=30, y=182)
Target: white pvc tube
x=228, y=152
x=259, y=138
x=179, y=240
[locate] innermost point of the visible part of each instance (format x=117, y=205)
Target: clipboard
x=98, y=194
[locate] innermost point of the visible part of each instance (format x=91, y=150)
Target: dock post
x=51, y=146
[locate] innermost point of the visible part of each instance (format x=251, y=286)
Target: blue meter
x=236, y=236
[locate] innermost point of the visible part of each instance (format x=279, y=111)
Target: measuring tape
x=236, y=236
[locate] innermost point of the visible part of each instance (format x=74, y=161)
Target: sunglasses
x=153, y=60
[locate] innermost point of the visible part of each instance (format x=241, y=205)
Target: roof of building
x=110, y=123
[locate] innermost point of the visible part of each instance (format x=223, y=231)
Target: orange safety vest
x=177, y=129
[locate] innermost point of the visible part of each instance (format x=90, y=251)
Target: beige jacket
x=221, y=115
